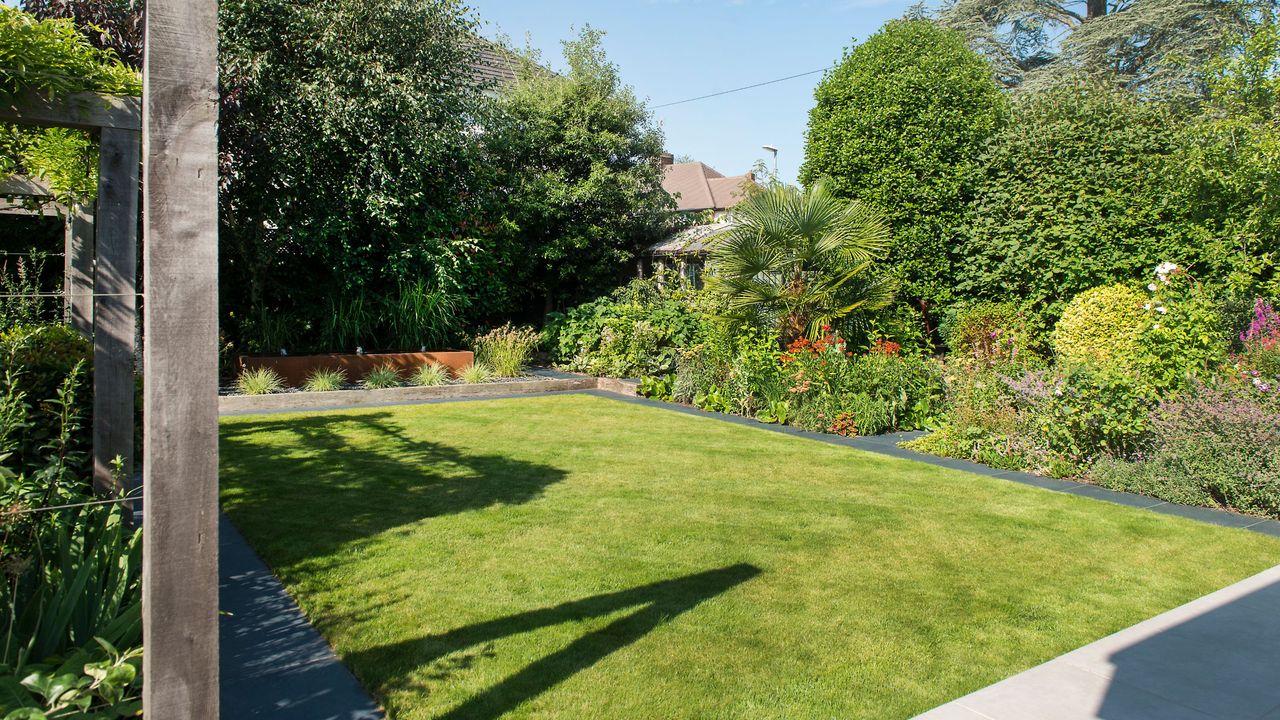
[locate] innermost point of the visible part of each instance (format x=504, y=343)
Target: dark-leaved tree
x=579, y=184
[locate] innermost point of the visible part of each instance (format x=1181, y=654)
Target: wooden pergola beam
x=82, y=111
x=180, y=360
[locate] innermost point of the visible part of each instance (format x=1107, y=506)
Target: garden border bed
x=540, y=381
x=295, y=369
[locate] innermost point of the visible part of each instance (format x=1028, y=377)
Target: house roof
x=700, y=187
x=494, y=64
x=696, y=240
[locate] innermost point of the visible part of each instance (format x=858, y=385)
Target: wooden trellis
x=177, y=121
x=101, y=262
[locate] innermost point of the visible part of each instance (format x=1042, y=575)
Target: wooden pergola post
x=114, y=307
x=77, y=281
x=180, y=361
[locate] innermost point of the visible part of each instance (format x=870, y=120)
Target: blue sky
x=670, y=50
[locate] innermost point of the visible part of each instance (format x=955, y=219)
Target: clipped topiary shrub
x=1100, y=328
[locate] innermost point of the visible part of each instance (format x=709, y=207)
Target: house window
x=692, y=271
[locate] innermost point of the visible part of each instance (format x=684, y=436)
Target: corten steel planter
x=296, y=368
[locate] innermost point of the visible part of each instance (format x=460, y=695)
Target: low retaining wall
x=296, y=368
x=560, y=382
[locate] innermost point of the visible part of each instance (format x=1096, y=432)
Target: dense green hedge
x=899, y=124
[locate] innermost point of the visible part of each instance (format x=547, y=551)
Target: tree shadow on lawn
x=658, y=602
x=318, y=491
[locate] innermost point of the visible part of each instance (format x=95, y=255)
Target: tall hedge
x=899, y=124
x=1071, y=196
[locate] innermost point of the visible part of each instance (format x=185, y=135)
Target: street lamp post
x=773, y=150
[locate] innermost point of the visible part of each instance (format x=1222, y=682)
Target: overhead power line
x=745, y=87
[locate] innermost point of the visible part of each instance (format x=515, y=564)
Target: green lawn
x=578, y=557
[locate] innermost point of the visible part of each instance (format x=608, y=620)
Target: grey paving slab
x=1214, y=657
x=273, y=663
x=952, y=712
x=1115, y=496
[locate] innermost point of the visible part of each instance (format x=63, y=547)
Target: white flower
x=1164, y=269
x=1162, y=309
x=1151, y=287
x=1155, y=326
x=1147, y=306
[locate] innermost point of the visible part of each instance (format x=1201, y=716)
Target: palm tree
x=798, y=260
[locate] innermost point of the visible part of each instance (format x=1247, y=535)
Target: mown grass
x=578, y=557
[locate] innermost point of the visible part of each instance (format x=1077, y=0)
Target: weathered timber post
x=114, y=307
x=77, y=282
x=180, y=419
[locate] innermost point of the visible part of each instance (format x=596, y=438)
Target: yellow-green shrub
x=1100, y=328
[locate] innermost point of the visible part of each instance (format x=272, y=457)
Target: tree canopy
x=1151, y=45
x=348, y=157
x=581, y=191
x=898, y=124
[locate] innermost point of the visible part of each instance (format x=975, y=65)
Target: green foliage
x=507, y=349
x=85, y=582
x=579, y=191
x=262, y=381
x=21, y=301
x=795, y=261
x=652, y=386
x=1069, y=198
x=899, y=323
x=325, y=380
x=52, y=57
x=1007, y=416
x=349, y=164
x=1224, y=170
x=476, y=372
x=1100, y=328
x=987, y=331
x=114, y=25
x=80, y=687
x=1183, y=336
x=830, y=390
x=71, y=573
x=50, y=365
x=381, y=378
x=429, y=375
x=637, y=330
x=1213, y=445
x=898, y=124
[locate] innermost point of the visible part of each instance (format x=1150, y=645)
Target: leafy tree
x=1070, y=197
x=795, y=260
x=114, y=25
x=898, y=125
x=1149, y=44
x=348, y=162
x=1224, y=172
x=580, y=187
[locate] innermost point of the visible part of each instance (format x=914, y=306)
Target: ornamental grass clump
x=475, y=373
x=263, y=381
x=507, y=349
x=430, y=374
x=381, y=378
x=325, y=380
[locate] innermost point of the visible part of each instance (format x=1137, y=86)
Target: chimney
x=666, y=159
